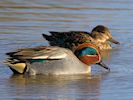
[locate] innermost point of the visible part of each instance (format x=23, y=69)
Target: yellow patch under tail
x=18, y=67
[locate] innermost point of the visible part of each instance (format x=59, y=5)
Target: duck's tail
x=17, y=68
x=51, y=39
x=55, y=39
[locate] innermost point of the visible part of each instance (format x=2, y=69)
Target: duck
x=100, y=36
x=54, y=60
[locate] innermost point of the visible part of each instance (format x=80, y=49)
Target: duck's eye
x=102, y=32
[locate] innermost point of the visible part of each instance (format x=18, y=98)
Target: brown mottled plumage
x=100, y=36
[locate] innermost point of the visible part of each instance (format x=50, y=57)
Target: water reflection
x=56, y=87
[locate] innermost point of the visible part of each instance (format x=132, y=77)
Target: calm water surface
x=23, y=21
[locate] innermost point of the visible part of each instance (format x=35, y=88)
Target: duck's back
x=68, y=39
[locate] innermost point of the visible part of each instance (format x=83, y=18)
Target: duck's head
x=89, y=54
x=102, y=34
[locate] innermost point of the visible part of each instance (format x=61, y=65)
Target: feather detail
x=17, y=67
x=41, y=52
x=69, y=39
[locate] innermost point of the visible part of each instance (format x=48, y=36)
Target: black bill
x=114, y=41
x=103, y=65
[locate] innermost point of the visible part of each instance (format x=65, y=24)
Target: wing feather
x=43, y=52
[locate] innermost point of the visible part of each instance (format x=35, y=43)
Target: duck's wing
x=19, y=60
x=41, y=52
x=67, y=39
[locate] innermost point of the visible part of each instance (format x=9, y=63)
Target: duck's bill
x=114, y=41
x=103, y=65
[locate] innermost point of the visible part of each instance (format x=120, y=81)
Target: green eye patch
x=86, y=51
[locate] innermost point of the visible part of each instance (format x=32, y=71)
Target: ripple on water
x=23, y=22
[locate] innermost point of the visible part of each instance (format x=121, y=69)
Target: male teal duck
x=100, y=36
x=54, y=60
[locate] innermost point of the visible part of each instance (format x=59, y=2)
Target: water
x=23, y=21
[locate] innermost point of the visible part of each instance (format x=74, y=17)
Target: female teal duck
x=54, y=60
x=100, y=36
